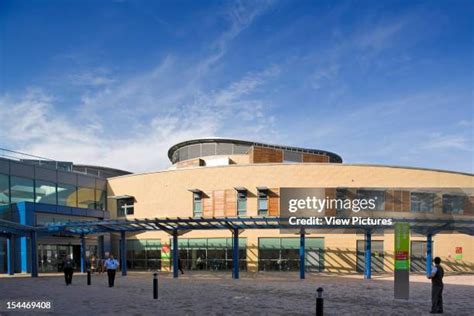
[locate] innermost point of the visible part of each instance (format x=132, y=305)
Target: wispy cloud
x=130, y=123
x=99, y=77
x=446, y=142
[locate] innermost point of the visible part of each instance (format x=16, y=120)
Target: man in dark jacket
x=68, y=268
x=436, y=277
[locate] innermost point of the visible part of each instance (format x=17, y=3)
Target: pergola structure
x=179, y=226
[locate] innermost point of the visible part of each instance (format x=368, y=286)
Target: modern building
x=35, y=191
x=218, y=178
x=227, y=178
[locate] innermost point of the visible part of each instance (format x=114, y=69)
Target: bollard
x=88, y=277
x=319, y=302
x=155, y=285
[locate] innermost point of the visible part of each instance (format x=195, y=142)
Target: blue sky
x=118, y=82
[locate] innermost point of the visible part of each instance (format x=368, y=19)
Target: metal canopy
x=8, y=227
x=171, y=225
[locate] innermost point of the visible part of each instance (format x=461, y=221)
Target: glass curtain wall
x=21, y=190
x=144, y=254
x=45, y=192
x=67, y=195
x=212, y=254
x=4, y=197
x=282, y=254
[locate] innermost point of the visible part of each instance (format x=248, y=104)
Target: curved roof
x=332, y=156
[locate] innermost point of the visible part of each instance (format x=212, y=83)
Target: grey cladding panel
x=85, y=181
x=194, y=151
x=208, y=149
x=100, y=184
x=21, y=170
x=67, y=178
x=45, y=174
x=224, y=149
x=4, y=166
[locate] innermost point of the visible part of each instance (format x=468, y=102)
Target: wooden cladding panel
x=230, y=203
x=331, y=194
x=406, y=201
x=389, y=200
x=263, y=155
x=397, y=201
x=315, y=158
x=274, y=202
x=219, y=203
x=207, y=204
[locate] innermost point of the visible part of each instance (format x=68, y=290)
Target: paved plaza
x=219, y=294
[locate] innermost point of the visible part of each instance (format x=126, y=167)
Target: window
x=86, y=198
x=197, y=204
x=241, y=203
x=378, y=196
x=21, y=190
x=45, y=192
x=125, y=206
x=263, y=202
x=282, y=254
x=67, y=195
x=213, y=254
x=422, y=202
x=453, y=204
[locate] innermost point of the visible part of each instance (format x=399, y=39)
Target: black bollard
x=88, y=277
x=319, y=302
x=155, y=285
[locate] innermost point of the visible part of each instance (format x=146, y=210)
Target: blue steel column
x=34, y=255
x=175, y=254
x=429, y=254
x=368, y=255
x=83, y=253
x=235, y=255
x=123, y=252
x=10, y=255
x=302, y=256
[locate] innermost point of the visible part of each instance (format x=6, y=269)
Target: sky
x=116, y=83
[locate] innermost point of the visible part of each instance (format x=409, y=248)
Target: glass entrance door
x=50, y=257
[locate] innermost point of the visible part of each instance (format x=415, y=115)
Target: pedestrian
x=180, y=266
x=111, y=265
x=437, y=274
x=68, y=268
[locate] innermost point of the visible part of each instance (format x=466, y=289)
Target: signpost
x=458, y=255
x=402, y=260
x=165, y=257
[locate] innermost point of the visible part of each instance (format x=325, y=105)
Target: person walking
x=180, y=266
x=437, y=285
x=111, y=265
x=68, y=268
